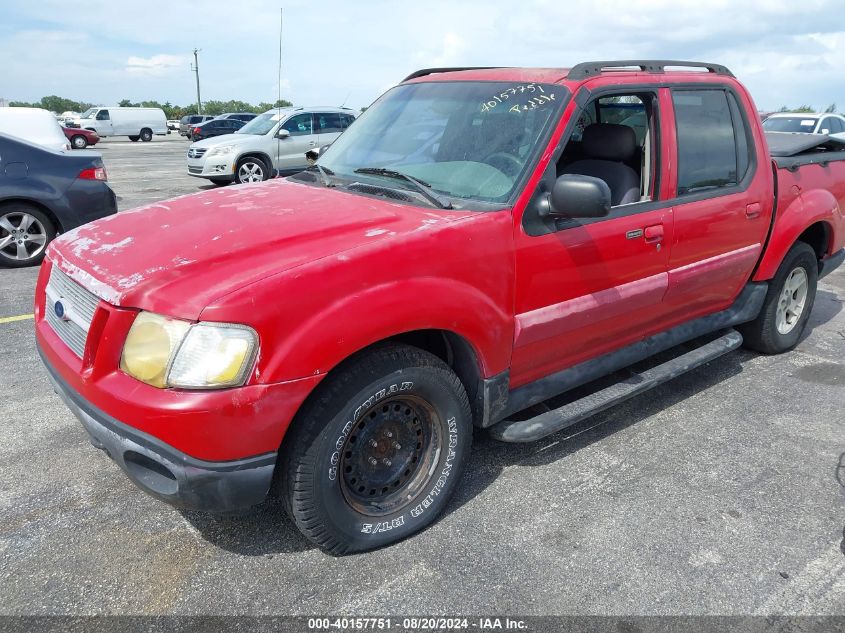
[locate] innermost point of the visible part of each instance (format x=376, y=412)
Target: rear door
x=291, y=150
x=329, y=126
x=724, y=198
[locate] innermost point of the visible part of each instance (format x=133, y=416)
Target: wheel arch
x=260, y=155
x=810, y=218
x=38, y=205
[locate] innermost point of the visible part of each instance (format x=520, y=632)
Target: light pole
x=196, y=69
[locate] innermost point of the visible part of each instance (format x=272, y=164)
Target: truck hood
x=176, y=257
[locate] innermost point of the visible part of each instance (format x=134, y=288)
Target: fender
x=816, y=205
x=324, y=339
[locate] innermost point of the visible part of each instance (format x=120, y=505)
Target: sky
x=787, y=53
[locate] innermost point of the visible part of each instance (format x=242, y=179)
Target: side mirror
x=282, y=133
x=577, y=196
x=825, y=131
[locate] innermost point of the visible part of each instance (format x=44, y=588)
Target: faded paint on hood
x=176, y=257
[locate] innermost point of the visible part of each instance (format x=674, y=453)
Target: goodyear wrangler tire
x=375, y=455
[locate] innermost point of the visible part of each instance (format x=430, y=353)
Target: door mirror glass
x=825, y=131
x=577, y=196
x=282, y=133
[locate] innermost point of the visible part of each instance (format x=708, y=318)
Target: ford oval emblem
x=59, y=309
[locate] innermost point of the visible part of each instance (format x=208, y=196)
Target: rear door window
x=712, y=147
x=328, y=122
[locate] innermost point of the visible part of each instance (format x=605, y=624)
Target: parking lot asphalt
x=721, y=492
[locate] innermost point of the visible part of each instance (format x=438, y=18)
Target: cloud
x=156, y=65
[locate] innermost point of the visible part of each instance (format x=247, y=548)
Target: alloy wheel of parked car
x=251, y=170
x=79, y=142
x=24, y=235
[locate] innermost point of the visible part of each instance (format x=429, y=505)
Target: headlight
x=165, y=352
x=223, y=149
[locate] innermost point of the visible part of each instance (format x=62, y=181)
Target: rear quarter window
x=713, y=150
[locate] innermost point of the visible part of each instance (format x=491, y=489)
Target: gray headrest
x=608, y=141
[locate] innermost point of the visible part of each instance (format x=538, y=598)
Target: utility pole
x=196, y=69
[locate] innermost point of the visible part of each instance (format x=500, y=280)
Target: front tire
x=788, y=303
x=251, y=169
x=375, y=455
x=79, y=142
x=146, y=135
x=25, y=232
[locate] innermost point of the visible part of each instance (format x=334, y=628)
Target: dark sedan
x=43, y=193
x=215, y=127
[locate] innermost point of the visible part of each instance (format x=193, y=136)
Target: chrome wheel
x=79, y=142
x=251, y=171
x=792, y=300
x=22, y=236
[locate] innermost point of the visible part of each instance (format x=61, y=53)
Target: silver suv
x=272, y=143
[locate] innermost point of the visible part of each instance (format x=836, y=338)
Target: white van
x=136, y=123
x=35, y=125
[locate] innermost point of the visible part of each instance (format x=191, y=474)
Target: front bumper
x=212, y=167
x=165, y=472
x=829, y=264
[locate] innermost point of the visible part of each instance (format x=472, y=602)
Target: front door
x=291, y=149
x=588, y=286
x=103, y=124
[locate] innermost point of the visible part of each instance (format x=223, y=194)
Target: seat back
x=607, y=146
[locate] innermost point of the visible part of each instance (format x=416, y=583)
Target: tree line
x=57, y=104
x=808, y=109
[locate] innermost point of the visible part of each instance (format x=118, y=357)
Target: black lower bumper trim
x=163, y=471
x=832, y=263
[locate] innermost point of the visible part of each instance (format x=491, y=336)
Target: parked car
x=276, y=141
x=240, y=116
x=808, y=123
x=44, y=192
x=215, y=127
x=458, y=256
x=136, y=123
x=79, y=138
x=173, y=124
x=35, y=125
x=191, y=120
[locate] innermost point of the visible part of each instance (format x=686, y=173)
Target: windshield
x=262, y=124
x=789, y=124
x=464, y=139
x=88, y=113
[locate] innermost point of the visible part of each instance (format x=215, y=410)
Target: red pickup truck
x=479, y=241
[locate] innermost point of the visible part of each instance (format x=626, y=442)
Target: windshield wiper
x=324, y=174
x=422, y=187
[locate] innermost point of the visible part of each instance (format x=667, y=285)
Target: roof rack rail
x=591, y=69
x=431, y=71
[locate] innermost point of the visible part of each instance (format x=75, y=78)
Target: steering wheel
x=505, y=162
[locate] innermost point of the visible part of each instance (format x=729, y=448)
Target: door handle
x=653, y=233
x=753, y=210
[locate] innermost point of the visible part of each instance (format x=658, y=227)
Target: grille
x=77, y=306
x=194, y=170
x=197, y=153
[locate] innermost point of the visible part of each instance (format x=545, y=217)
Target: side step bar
x=557, y=419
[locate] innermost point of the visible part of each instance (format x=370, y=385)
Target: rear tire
x=788, y=303
x=251, y=169
x=375, y=454
x=25, y=232
x=134, y=138
x=79, y=142
x=146, y=135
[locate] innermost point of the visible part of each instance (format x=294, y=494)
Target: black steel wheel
x=376, y=452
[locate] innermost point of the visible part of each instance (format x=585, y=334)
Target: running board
x=557, y=419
